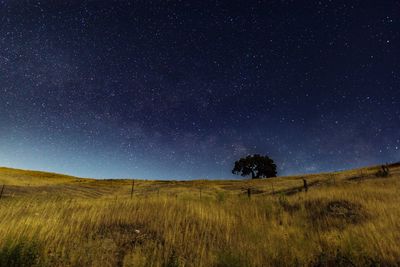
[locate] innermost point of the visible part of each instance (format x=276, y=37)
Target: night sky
x=182, y=89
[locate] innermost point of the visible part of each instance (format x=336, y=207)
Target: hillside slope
x=12, y=176
x=27, y=182
x=349, y=218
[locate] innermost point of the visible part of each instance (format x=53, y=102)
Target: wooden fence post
x=305, y=185
x=248, y=193
x=333, y=179
x=2, y=190
x=385, y=168
x=133, y=186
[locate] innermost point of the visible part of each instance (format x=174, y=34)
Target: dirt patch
x=344, y=209
x=334, y=214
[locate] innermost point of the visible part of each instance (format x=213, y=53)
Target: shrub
x=383, y=172
x=20, y=253
x=327, y=214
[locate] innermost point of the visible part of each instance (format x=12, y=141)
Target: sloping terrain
x=349, y=218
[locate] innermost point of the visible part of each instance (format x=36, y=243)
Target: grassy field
x=347, y=218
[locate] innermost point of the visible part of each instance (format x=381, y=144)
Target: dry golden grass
x=347, y=218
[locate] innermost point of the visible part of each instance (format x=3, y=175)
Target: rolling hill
x=345, y=218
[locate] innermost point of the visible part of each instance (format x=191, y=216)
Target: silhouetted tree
x=256, y=165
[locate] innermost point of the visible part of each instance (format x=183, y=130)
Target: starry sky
x=182, y=89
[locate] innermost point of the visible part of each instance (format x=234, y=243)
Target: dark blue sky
x=181, y=89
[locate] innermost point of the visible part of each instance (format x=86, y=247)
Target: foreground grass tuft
x=20, y=253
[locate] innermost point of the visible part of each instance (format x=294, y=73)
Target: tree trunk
x=253, y=175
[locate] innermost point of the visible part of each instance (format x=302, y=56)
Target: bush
x=328, y=214
x=20, y=253
x=383, y=172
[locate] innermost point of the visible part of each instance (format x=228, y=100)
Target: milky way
x=181, y=89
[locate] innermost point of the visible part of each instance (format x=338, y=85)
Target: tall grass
x=348, y=223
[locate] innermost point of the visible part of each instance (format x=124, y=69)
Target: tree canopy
x=257, y=165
